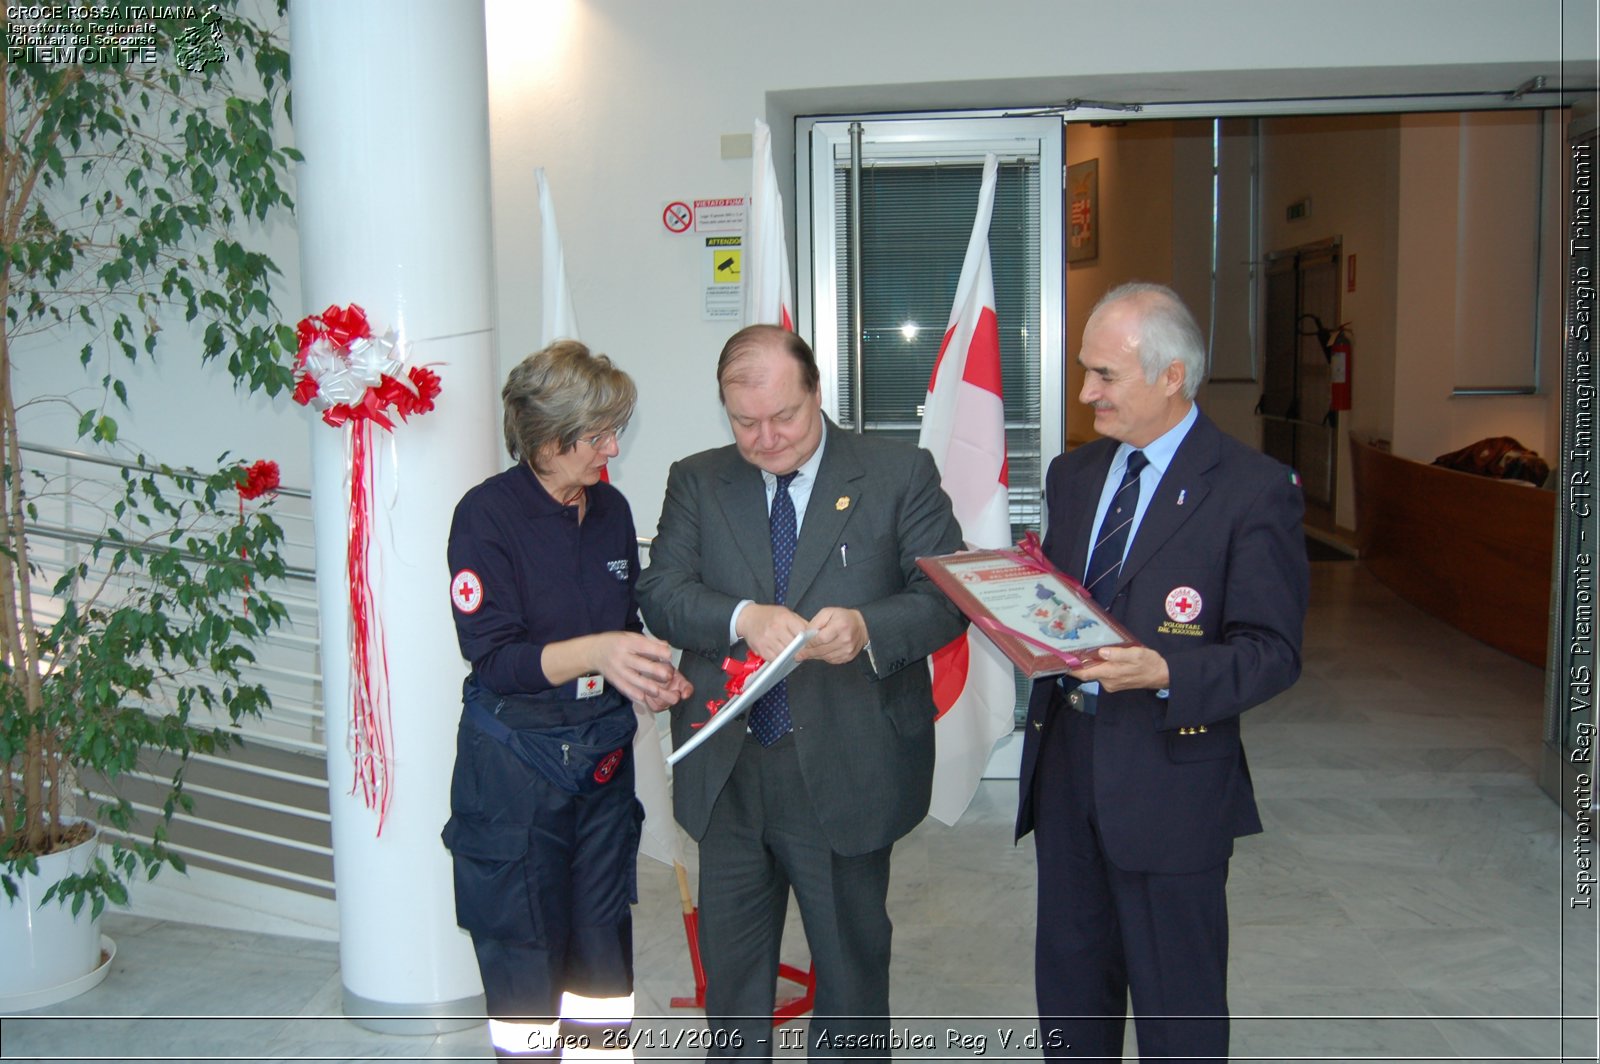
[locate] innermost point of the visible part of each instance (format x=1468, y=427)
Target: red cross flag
x=964, y=426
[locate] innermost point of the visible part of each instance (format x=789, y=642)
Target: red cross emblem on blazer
x=1183, y=604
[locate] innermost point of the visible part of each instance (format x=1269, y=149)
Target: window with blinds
x=919, y=187
x=919, y=194
x=916, y=221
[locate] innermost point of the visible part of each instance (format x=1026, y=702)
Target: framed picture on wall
x=1083, y=211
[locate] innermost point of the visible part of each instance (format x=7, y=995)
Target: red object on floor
x=786, y=1010
x=796, y=1006
x=691, y=931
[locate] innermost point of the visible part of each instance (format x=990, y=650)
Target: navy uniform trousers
x=1171, y=929
x=543, y=878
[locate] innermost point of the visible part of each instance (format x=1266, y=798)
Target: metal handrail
x=288, y=666
x=86, y=539
x=123, y=463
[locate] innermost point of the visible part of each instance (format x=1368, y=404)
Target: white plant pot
x=50, y=955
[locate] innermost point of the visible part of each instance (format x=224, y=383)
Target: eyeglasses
x=600, y=439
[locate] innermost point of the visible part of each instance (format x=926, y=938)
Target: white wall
x=1136, y=233
x=1434, y=268
x=624, y=103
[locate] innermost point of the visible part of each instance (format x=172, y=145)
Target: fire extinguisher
x=1340, y=366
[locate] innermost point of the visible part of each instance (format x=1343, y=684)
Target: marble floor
x=1408, y=900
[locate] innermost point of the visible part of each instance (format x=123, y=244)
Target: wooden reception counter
x=1473, y=551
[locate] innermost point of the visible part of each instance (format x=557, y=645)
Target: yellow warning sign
x=725, y=265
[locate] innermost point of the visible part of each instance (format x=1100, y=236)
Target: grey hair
x=559, y=394
x=1166, y=332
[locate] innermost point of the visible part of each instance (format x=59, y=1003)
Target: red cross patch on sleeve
x=466, y=591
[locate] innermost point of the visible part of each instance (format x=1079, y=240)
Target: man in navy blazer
x=1134, y=781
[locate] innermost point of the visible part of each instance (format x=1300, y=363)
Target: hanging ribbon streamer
x=352, y=378
x=370, y=730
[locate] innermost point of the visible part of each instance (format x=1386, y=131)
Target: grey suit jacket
x=864, y=735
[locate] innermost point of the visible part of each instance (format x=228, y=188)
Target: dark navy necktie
x=1105, y=561
x=769, y=719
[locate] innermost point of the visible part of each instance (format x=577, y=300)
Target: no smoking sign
x=677, y=217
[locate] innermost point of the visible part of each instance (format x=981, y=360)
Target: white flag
x=559, y=320
x=964, y=426
x=768, y=292
x=652, y=784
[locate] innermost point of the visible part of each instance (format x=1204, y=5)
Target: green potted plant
x=127, y=185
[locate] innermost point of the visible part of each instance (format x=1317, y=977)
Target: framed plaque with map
x=1043, y=620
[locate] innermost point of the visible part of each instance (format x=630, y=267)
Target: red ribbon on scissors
x=738, y=672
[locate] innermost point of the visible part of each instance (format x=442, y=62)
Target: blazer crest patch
x=1183, y=606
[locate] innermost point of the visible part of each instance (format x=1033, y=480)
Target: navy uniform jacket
x=1223, y=527
x=524, y=573
x=533, y=864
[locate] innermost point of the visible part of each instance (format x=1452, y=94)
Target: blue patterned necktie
x=769, y=719
x=1105, y=561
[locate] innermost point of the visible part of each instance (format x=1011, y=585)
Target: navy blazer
x=1222, y=532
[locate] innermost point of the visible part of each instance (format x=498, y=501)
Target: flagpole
x=691, y=931
x=857, y=313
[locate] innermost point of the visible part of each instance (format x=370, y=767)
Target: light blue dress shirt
x=1159, y=452
x=800, y=493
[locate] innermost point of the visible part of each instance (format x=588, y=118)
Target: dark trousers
x=764, y=839
x=1103, y=931
x=543, y=880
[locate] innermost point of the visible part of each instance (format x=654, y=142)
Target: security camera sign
x=721, y=263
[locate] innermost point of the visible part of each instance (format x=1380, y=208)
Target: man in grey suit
x=801, y=525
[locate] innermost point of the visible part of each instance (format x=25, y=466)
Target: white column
x=391, y=113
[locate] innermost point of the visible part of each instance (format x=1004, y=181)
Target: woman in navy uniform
x=544, y=826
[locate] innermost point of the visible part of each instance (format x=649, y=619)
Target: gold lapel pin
x=843, y=503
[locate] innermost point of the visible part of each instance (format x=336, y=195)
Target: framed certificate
x=1043, y=620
